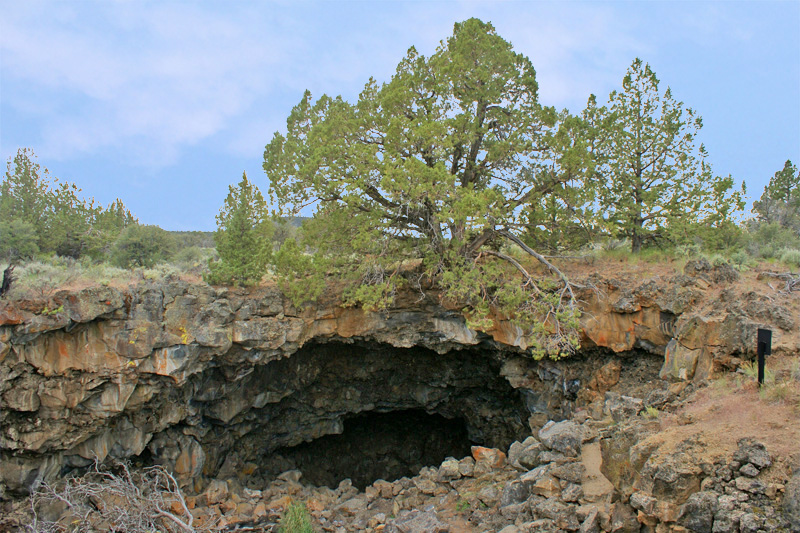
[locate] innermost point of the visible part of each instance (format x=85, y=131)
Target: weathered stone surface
x=565, y=437
x=119, y=369
x=643, y=502
x=540, y=482
x=449, y=471
x=590, y=523
x=573, y=492
x=416, y=522
x=624, y=519
x=697, y=513
x=753, y=452
x=622, y=407
x=491, y=457
x=572, y=472
x=791, y=498
x=753, y=486
x=514, y=493
x=562, y=515
x=525, y=455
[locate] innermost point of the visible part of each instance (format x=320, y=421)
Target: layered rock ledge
x=185, y=375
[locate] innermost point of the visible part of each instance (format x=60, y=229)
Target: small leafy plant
x=296, y=519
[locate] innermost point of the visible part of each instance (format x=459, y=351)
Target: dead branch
x=123, y=499
x=792, y=280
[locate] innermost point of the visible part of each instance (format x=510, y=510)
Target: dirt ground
x=732, y=406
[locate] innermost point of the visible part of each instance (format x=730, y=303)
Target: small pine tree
x=780, y=202
x=242, y=237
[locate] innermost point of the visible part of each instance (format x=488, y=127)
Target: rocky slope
x=213, y=381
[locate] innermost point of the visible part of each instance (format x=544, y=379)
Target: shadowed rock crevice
x=375, y=446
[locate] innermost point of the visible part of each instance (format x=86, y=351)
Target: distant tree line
x=40, y=214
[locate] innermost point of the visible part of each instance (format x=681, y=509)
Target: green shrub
x=650, y=412
x=791, y=257
x=39, y=279
x=767, y=240
x=741, y=259
x=142, y=246
x=296, y=519
x=18, y=240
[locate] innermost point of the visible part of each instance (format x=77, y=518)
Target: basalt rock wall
x=189, y=375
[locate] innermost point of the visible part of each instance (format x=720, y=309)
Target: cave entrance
x=376, y=446
x=335, y=410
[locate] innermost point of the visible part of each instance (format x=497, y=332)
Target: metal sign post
x=764, y=349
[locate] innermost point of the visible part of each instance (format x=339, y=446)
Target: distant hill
x=185, y=239
x=205, y=239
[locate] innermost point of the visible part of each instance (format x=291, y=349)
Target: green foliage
x=650, y=412
x=62, y=222
x=443, y=163
x=652, y=180
x=768, y=240
x=188, y=239
x=296, y=519
x=43, y=277
x=791, y=257
x=52, y=312
x=38, y=279
x=780, y=202
x=25, y=193
x=750, y=369
x=18, y=240
x=142, y=246
x=242, y=238
x=561, y=216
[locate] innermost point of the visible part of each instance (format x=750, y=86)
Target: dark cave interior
x=376, y=446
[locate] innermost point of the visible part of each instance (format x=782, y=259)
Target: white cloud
x=151, y=79
x=165, y=74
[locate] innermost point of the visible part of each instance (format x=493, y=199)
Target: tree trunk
x=636, y=242
x=8, y=279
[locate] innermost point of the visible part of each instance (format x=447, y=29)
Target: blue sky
x=164, y=104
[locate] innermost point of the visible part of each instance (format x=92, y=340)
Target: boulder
x=565, y=436
x=590, y=523
x=644, y=502
x=525, y=455
x=622, y=407
x=624, y=519
x=448, y=471
x=697, y=513
x=492, y=457
x=573, y=492
x=753, y=452
x=791, y=499
x=416, y=522
x=572, y=472
x=513, y=493
x=563, y=515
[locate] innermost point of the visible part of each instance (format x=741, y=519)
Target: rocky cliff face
x=190, y=376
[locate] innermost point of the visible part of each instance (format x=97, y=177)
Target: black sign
x=763, y=349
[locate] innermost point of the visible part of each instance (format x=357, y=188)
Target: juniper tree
x=439, y=164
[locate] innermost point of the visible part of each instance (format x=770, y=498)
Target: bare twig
x=127, y=500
